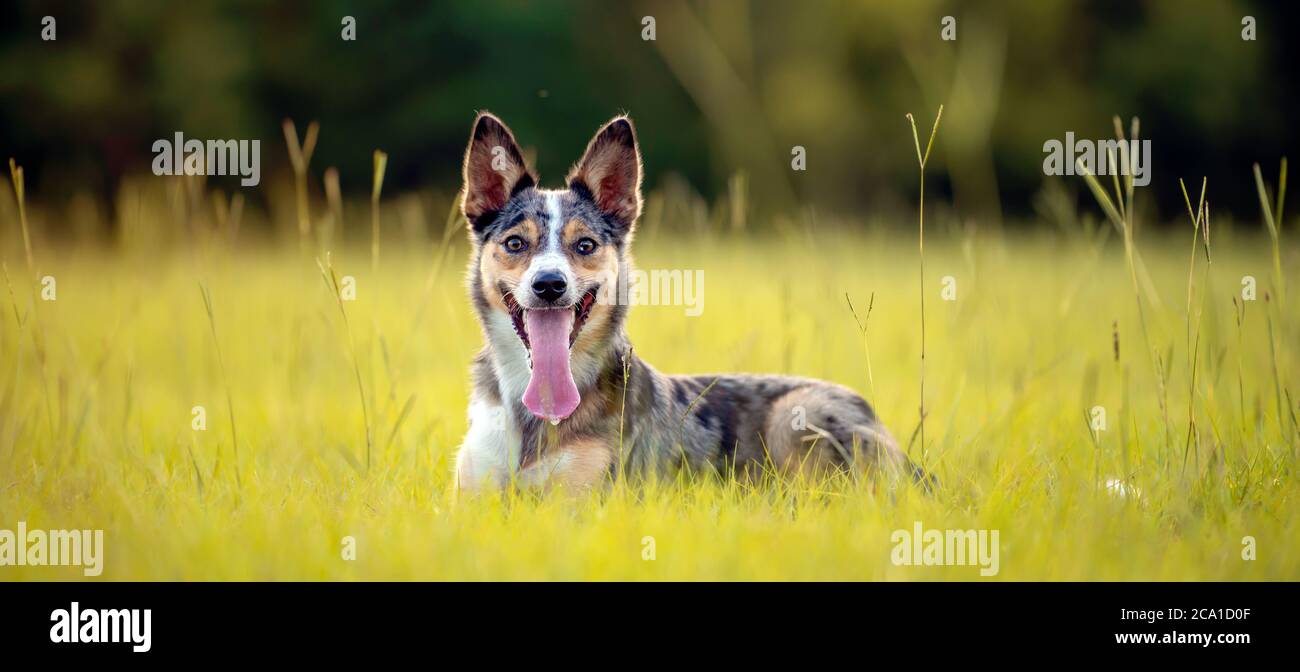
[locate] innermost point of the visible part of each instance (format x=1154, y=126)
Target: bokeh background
x=987, y=352
x=720, y=96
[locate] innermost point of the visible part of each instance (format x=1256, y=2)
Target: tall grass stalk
x=1239, y=316
x=38, y=342
x=1122, y=218
x=622, y=406
x=198, y=473
x=1200, y=231
x=334, y=197
x=866, y=343
x=1272, y=354
x=332, y=284
x=228, y=215
x=1273, y=220
x=20, y=192
x=376, y=186
x=453, y=224
x=38, y=331
x=1205, y=292
x=738, y=201
x=1196, y=234
x=921, y=159
x=1096, y=452
x=300, y=157
x=225, y=382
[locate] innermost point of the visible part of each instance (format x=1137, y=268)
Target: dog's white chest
x=490, y=452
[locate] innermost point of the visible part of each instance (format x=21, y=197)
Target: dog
x=559, y=399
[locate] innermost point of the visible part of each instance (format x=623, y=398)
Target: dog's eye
x=515, y=244
x=585, y=246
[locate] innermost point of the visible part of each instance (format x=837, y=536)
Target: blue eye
x=585, y=246
x=515, y=244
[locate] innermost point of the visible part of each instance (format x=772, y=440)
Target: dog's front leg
x=575, y=466
x=490, y=450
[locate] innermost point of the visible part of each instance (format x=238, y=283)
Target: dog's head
x=546, y=261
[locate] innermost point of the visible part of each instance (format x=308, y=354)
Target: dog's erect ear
x=610, y=171
x=494, y=170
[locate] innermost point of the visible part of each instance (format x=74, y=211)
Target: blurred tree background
x=725, y=88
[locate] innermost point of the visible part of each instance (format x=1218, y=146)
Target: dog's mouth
x=581, y=311
x=548, y=334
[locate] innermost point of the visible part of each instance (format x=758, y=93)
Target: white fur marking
x=490, y=451
x=509, y=358
x=551, y=257
x=553, y=211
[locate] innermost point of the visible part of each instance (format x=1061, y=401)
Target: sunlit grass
x=1011, y=365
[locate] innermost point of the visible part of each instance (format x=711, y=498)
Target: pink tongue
x=551, y=392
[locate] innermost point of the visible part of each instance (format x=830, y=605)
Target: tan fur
x=575, y=430
x=574, y=467
x=600, y=264
x=498, y=265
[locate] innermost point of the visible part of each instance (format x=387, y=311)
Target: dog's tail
x=869, y=449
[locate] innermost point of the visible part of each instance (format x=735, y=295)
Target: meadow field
x=1098, y=447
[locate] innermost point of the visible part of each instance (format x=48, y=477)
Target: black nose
x=549, y=286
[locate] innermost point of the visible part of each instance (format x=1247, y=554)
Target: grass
x=130, y=347
x=377, y=187
x=332, y=284
x=225, y=383
x=1273, y=217
x=1121, y=214
x=921, y=160
x=300, y=158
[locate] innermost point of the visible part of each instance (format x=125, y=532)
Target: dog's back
x=746, y=424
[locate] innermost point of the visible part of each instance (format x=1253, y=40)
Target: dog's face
x=547, y=259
